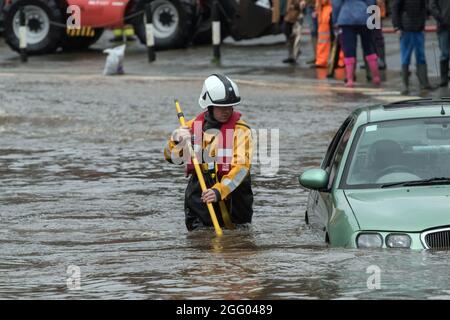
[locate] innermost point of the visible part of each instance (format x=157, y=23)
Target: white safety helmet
x=219, y=90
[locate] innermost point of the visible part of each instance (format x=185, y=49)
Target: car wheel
x=172, y=23
x=80, y=43
x=42, y=35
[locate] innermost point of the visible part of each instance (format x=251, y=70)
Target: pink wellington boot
x=372, y=61
x=350, y=71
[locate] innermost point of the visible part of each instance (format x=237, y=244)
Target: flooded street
x=83, y=182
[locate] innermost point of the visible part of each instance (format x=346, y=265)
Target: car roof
x=407, y=109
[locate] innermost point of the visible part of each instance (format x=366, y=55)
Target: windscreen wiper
x=442, y=180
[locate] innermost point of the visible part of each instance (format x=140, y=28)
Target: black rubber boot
x=405, y=80
x=422, y=74
x=382, y=58
x=290, y=44
x=444, y=73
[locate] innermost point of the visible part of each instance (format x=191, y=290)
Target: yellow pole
x=225, y=215
x=224, y=210
x=199, y=172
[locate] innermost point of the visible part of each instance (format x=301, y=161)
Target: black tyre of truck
x=172, y=22
x=43, y=36
x=80, y=43
x=203, y=34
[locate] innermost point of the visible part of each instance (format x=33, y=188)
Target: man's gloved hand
x=181, y=134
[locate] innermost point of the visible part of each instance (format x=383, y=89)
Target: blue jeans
x=409, y=42
x=444, y=43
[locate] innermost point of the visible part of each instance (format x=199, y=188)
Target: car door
x=321, y=206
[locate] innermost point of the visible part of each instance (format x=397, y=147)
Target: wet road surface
x=84, y=183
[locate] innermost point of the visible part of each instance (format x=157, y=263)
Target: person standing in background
x=440, y=9
x=311, y=18
x=378, y=38
x=292, y=9
x=324, y=11
x=351, y=17
x=408, y=19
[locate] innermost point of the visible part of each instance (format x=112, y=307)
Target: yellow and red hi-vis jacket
x=231, y=159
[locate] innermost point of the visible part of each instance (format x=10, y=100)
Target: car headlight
x=369, y=240
x=398, y=241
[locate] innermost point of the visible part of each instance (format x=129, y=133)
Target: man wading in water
x=223, y=145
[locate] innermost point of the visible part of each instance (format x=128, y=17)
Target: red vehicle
x=176, y=22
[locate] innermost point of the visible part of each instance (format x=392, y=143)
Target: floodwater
x=83, y=184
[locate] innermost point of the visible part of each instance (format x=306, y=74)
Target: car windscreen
x=398, y=151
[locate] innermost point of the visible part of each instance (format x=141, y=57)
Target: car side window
x=333, y=145
x=340, y=153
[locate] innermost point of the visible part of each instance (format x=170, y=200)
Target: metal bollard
x=149, y=33
x=23, y=36
x=216, y=38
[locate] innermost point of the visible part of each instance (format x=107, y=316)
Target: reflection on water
x=83, y=183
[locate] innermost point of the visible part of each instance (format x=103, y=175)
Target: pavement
x=251, y=60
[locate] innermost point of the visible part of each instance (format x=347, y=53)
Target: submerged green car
x=385, y=179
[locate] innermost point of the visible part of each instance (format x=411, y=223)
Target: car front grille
x=437, y=239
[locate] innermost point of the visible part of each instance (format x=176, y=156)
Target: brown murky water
x=83, y=182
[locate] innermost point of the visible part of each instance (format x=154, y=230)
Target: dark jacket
x=409, y=15
x=440, y=9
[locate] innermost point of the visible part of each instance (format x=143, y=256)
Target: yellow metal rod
x=198, y=171
x=223, y=209
x=225, y=215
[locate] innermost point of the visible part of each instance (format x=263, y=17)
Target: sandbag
x=114, y=61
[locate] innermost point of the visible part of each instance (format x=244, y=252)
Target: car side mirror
x=314, y=179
